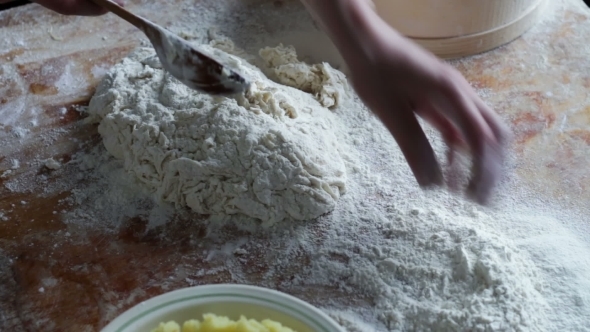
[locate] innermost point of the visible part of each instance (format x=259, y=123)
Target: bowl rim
x=285, y=301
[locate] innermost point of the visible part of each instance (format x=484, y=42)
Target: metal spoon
x=193, y=68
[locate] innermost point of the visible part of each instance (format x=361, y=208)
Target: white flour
x=419, y=261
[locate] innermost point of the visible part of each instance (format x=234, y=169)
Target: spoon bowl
x=186, y=63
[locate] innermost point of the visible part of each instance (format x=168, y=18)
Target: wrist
x=353, y=26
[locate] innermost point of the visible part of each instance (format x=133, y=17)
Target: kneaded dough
x=269, y=153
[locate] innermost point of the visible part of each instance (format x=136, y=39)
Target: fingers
x=485, y=173
x=501, y=131
x=450, y=134
x=491, y=158
x=75, y=7
x=414, y=144
x=483, y=134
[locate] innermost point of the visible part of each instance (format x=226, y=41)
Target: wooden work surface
x=539, y=83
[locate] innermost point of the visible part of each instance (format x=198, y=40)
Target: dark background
x=24, y=2
x=20, y=3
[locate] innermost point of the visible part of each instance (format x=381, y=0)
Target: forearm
x=332, y=17
x=353, y=26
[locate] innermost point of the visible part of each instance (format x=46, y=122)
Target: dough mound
x=269, y=154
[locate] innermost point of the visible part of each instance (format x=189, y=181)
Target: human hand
x=75, y=7
x=399, y=81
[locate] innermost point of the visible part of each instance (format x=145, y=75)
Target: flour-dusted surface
x=270, y=154
x=80, y=243
x=427, y=267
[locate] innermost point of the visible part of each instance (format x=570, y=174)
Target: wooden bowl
x=456, y=28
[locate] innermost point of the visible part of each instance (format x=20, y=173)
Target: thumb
x=75, y=7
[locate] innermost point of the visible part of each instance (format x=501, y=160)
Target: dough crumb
x=51, y=164
x=328, y=85
x=15, y=164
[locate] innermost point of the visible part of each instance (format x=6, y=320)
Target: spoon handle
x=114, y=8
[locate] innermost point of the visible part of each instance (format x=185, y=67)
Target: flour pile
x=269, y=154
x=403, y=259
x=436, y=270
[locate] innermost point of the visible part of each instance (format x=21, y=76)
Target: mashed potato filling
x=214, y=323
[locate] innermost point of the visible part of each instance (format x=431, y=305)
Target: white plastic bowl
x=225, y=300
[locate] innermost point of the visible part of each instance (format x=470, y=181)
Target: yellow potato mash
x=214, y=323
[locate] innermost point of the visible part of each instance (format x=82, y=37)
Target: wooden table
x=50, y=63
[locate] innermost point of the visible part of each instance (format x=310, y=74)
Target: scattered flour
x=19, y=132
